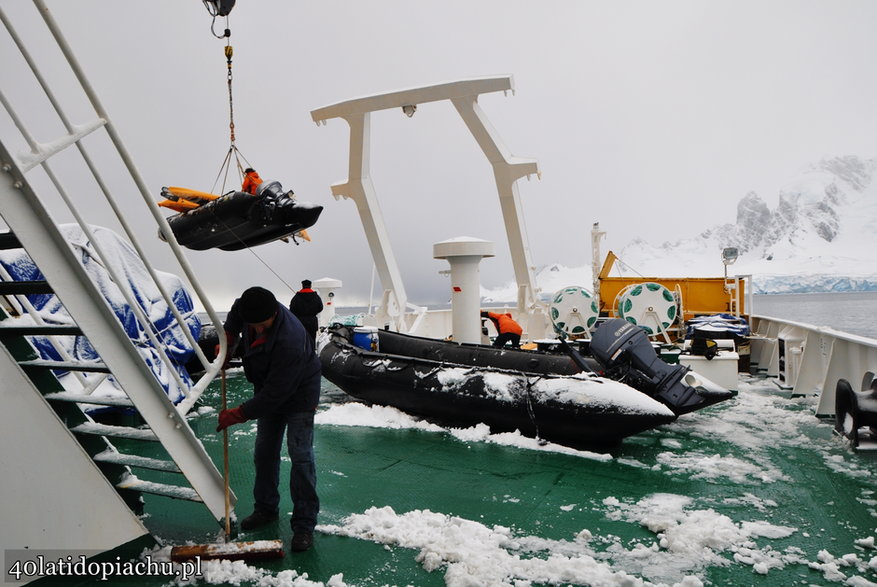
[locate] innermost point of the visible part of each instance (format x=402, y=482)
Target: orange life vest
x=504, y=323
x=251, y=182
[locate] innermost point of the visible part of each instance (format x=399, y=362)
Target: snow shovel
x=253, y=550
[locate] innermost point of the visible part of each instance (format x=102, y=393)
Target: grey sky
x=653, y=118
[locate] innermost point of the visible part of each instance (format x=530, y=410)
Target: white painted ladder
x=27, y=181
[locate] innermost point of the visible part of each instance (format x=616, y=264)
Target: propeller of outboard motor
x=624, y=350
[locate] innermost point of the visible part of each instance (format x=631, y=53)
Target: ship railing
x=809, y=359
x=36, y=157
x=419, y=313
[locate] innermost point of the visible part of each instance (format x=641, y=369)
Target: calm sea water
x=855, y=313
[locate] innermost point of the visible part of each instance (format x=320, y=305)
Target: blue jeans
x=303, y=477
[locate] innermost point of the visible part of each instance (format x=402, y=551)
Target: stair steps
x=88, y=367
x=39, y=330
x=129, y=460
x=8, y=241
x=32, y=229
x=116, y=464
x=108, y=430
x=81, y=398
x=173, y=491
x=18, y=288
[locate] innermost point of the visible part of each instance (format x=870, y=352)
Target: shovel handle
x=225, y=466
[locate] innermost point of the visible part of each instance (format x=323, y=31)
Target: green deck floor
x=758, y=458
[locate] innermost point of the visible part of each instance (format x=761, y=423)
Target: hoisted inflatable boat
x=539, y=393
x=236, y=220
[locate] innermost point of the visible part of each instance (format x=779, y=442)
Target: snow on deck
x=685, y=535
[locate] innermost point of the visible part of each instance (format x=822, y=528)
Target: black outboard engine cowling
x=624, y=350
x=270, y=188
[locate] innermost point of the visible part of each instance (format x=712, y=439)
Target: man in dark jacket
x=306, y=304
x=279, y=360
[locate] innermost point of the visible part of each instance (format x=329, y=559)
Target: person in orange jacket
x=251, y=181
x=507, y=329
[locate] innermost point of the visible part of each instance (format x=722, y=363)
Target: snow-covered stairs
x=115, y=464
x=198, y=477
x=62, y=162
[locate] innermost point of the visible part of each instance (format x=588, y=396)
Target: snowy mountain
x=818, y=238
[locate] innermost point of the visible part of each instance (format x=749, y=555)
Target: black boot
x=257, y=519
x=301, y=541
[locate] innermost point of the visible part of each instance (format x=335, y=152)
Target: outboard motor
x=270, y=189
x=271, y=198
x=624, y=350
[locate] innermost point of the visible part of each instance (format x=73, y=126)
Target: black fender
x=855, y=409
x=846, y=412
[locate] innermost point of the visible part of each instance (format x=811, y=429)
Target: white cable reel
x=574, y=311
x=650, y=305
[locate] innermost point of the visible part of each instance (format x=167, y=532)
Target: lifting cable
x=269, y=268
x=215, y=10
x=233, y=150
x=225, y=168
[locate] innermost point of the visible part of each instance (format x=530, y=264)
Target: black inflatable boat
x=541, y=394
x=238, y=220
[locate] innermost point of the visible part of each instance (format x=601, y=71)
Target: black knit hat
x=306, y=283
x=257, y=304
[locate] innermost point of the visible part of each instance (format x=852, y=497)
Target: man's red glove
x=230, y=417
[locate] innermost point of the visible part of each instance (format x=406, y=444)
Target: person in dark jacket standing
x=306, y=304
x=279, y=360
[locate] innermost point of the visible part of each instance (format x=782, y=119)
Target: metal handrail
x=40, y=154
